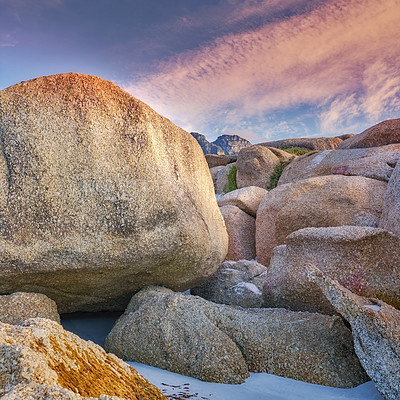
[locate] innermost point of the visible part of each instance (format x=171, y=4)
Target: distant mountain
x=231, y=144
x=225, y=144
x=206, y=146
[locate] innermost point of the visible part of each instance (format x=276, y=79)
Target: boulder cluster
x=106, y=205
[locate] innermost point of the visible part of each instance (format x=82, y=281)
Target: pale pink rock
x=241, y=232
x=324, y=201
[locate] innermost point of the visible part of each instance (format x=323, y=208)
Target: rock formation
x=391, y=204
x=241, y=228
x=376, y=331
x=363, y=259
x=381, y=134
x=220, y=343
x=40, y=360
x=19, y=306
x=100, y=196
x=321, y=143
x=255, y=165
x=247, y=199
x=331, y=200
x=235, y=283
x=375, y=163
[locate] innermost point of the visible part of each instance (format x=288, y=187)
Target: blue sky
x=263, y=69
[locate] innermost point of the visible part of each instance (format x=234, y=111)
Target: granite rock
x=241, y=228
x=100, y=196
x=247, y=199
x=386, y=132
x=220, y=343
x=237, y=283
x=19, y=306
x=376, y=331
x=39, y=358
x=255, y=165
x=324, y=201
x=375, y=163
x=365, y=260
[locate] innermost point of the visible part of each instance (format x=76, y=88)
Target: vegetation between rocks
x=298, y=151
x=277, y=174
x=231, y=185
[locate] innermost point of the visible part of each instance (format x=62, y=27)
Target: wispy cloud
x=341, y=58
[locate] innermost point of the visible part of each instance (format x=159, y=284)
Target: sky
x=262, y=69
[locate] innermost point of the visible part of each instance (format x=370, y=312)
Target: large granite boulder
x=255, y=165
x=241, y=228
x=390, y=219
x=206, y=146
x=247, y=199
x=364, y=260
x=18, y=307
x=100, y=196
x=321, y=143
x=331, y=200
x=385, y=132
x=40, y=360
x=376, y=331
x=235, y=283
x=376, y=163
x=220, y=343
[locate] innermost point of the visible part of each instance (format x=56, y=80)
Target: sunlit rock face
x=100, y=196
x=386, y=132
x=40, y=360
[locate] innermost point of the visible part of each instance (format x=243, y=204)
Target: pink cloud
x=342, y=57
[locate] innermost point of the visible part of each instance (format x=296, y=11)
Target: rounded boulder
x=100, y=196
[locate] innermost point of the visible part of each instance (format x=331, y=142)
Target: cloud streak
x=341, y=58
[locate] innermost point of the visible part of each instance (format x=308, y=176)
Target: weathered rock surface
x=100, y=196
x=214, y=172
x=331, y=200
x=381, y=134
x=206, y=146
x=364, y=260
x=241, y=228
x=322, y=143
x=247, y=199
x=390, y=219
x=220, y=343
x=281, y=154
x=221, y=180
x=376, y=163
x=39, y=358
x=219, y=160
x=231, y=144
x=18, y=307
x=255, y=165
x=376, y=331
x=235, y=283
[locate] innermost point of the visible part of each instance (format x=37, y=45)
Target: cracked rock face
x=39, y=359
x=376, y=331
x=220, y=343
x=100, y=196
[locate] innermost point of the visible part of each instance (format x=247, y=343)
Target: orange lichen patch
x=90, y=376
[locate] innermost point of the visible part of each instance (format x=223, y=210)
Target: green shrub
x=298, y=151
x=231, y=185
x=277, y=174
